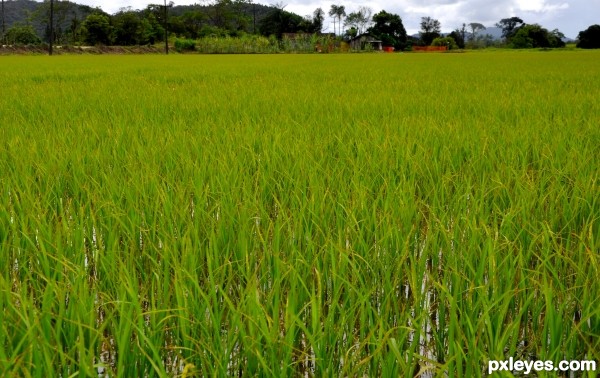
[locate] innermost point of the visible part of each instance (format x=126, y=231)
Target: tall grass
x=252, y=44
x=383, y=215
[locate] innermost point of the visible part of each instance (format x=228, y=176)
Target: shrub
x=185, y=45
x=445, y=41
x=22, y=35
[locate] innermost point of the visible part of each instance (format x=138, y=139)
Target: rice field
x=342, y=215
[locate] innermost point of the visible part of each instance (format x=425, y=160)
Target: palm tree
x=51, y=39
x=341, y=12
x=332, y=13
x=337, y=11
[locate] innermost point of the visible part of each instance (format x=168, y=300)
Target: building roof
x=368, y=38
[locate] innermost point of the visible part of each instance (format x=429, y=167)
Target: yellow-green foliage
x=331, y=215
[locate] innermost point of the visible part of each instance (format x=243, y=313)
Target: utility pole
x=166, y=31
x=51, y=27
x=3, y=25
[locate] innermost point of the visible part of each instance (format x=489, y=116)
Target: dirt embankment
x=59, y=50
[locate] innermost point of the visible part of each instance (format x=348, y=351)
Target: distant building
x=360, y=42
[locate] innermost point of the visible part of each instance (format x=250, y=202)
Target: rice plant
x=298, y=215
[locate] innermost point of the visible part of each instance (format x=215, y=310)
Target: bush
x=445, y=41
x=22, y=35
x=185, y=45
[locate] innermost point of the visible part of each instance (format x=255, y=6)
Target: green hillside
x=224, y=18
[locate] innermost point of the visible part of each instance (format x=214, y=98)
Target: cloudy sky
x=569, y=16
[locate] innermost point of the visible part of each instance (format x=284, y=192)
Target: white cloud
x=541, y=6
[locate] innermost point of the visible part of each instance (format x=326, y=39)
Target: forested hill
x=221, y=17
x=35, y=14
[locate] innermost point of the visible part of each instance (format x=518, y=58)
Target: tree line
x=64, y=22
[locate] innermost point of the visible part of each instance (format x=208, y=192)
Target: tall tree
x=228, y=15
x=97, y=29
x=127, y=28
x=456, y=35
x=463, y=32
x=333, y=11
x=365, y=17
x=475, y=27
x=589, y=38
x=192, y=22
x=557, y=38
x=430, y=29
x=341, y=13
x=352, y=21
x=318, y=18
x=529, y=36
x=279, y=21
x=389, y=28
x=359, y=20
x=509, y=27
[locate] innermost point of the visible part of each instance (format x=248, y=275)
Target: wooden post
x=51, y=27
x=3, y=25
